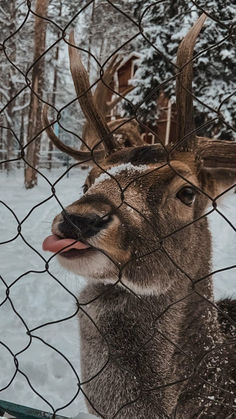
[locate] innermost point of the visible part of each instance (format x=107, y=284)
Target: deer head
x=141, y=204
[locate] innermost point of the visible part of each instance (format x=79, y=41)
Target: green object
x=23, y=412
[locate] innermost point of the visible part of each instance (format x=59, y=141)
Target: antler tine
x=102, y=91
x=115, y=101
x=82, y=87
x=100, y=99
x=76, y=154
x=184, y=100
x=129, y=131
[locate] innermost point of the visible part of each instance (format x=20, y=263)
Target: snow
x=40, y=298
x=224, y=247
x=116, y=170
x=225, y=53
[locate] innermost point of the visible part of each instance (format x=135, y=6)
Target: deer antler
x=100, y=97
x=82, y=88
x=129, y=130
x=184, y=99
x=97, y=155
x=95, y=108
x=214, y=154
x=114, y=102
x=100, y=100
x=102, y=91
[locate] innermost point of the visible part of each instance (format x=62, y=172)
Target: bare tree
x=16, y=53
x=10, y=88
x=35, y=109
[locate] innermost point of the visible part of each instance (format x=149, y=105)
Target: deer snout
x=77, y=226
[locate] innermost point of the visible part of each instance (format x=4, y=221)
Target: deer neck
x=179, y=311
x=182, y=315
x=144, y=341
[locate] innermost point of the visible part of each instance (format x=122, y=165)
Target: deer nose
x=76, y=226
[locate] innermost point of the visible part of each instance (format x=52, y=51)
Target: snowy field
x=40, y=299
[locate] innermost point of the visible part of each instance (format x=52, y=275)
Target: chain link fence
x=40, y=303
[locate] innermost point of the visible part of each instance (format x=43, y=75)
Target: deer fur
x=152, y=342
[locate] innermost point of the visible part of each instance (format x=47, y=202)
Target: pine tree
x=164, y=25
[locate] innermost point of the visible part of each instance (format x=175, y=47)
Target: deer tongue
x=56, y=244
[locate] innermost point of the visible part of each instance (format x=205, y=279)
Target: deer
x=154, y=343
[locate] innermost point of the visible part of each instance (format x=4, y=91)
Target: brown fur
x=152, y=344
x=158, y=324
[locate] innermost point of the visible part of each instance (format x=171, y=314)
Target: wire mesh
x=148, y=363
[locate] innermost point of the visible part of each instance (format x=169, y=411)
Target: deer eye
x=85, y=188
x=187, y=195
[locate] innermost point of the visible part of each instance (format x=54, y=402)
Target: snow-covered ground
x=40, y=299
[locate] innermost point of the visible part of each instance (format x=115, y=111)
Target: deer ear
x=216, y=181
x=218, y=165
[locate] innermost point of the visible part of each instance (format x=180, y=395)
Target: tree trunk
x=35, y=110
x=11, y=92
x=90, y=37
x=22, y=129
x=2, y=148
x=55, y=79
x=9, y=136
x=50, y=145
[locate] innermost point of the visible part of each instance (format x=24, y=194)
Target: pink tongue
x=55, y=244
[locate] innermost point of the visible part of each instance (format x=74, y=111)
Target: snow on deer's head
x=141, y=220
